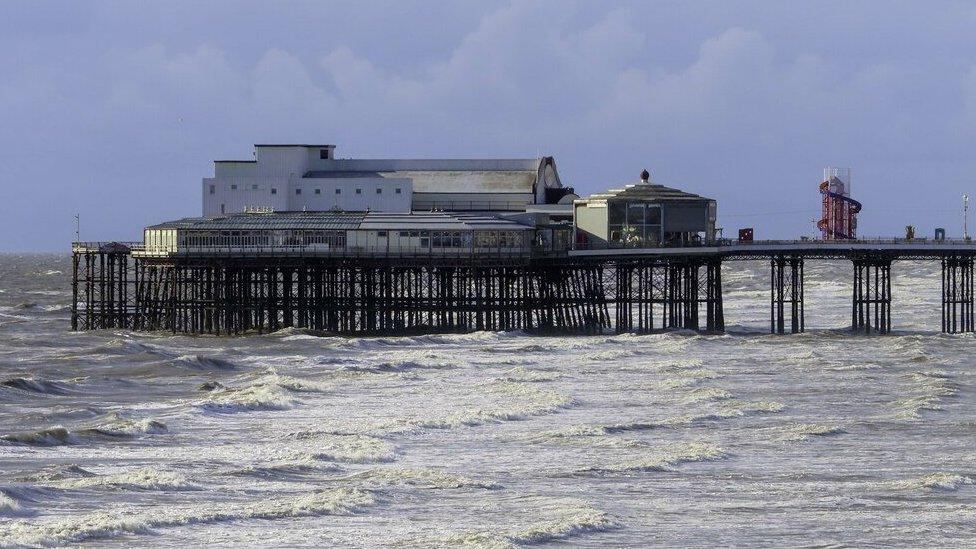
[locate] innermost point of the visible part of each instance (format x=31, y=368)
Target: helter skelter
x=839, y=221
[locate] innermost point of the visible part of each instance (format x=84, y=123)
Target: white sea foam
x=727, y=411
x=427, y=478
x=124, y=522
x=520, y=401
x=10, y=507
x=521, y=374
x=934, y=481
x=805, y=431
x=346, y=448
x=146, y=478
x=560, y=520
x=667, y=458
x=260, y=396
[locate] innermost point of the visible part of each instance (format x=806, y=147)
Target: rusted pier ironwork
x=668, y=293
x=871, y=301
x=101, y=286
x=237, y=295
x=786, y=293
x=957, y=294
x=118, y=285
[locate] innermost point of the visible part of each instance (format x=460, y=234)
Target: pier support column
x=786, y=294
x=871, y=301
x=714, y=309
x=957, y=294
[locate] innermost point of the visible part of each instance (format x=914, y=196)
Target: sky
x=116, y=110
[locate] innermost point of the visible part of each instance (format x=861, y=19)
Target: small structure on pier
x=643, y=215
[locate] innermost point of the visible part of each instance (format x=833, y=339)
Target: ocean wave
x=427, y=478
x=801, y=432
x=521, y=374
x=146, y=478
x=707, y=394
x=203, y=362
x=260, y=396
x=933, y=389
x=122, y=522
x=346, y=448
x=561, y=520
x=58, y=472
x=667, y=458
x=11, y=507
x=51, y=436
x=294, y=466
x=35, y=385
x=398, y=366
x=115, y=426
x=935, y=481
x=728, y=411
x=529, y=402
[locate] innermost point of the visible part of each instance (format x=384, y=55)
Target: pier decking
x=228, y=290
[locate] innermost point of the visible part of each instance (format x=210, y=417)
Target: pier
x=229, y=290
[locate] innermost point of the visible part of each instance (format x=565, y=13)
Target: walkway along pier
x=237, y=290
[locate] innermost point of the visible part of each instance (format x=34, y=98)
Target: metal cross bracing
x=957, y=294
x=871, y=299
x=786, y=294
x=659, y=294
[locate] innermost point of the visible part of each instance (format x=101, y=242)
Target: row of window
x=337, y=239
x=213, y=190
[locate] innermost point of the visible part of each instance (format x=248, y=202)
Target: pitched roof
x=647, y=192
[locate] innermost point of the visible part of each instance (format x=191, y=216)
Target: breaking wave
x=934, y=481
x=203, y=362
x=10, y=507
x=562, y=520
x=146, y=478
x=35, y=385
x=529, y=401
x=113, y=426
x=427, y=478
x=346, y=448
x=801, y=432
x=122, y=522
x=667, y=459
x=260, y=396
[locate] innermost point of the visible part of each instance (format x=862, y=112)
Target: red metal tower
x=839, y=221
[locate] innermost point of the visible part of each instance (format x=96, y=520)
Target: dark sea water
x=490, y=439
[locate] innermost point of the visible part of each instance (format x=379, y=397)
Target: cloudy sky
x=115, y=110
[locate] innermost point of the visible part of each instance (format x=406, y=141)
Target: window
x=221, y=208
x=274, y=190
x=213, y=189
x=359, y=191
x=381, y=233
x=254, y=187
x=398, y=190
x=318, y=191
x=324, y=154
x=338, y=191
x=298, y=191
x=233, y=187
x=379, y=191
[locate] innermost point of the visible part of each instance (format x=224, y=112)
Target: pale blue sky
x=116, y=109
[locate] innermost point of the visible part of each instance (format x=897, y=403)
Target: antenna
x=77, y=227
x=965, y=216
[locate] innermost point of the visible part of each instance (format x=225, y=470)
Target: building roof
x=649, y=192
x=334, y=220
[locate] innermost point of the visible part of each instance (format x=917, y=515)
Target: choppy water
x=489, y=439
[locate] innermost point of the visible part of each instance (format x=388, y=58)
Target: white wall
x=256, y=192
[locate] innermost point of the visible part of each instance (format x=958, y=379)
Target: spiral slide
x=854, y=209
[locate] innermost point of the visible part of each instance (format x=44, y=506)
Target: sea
x=491, y=439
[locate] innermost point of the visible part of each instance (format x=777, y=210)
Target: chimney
x=645, y=177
